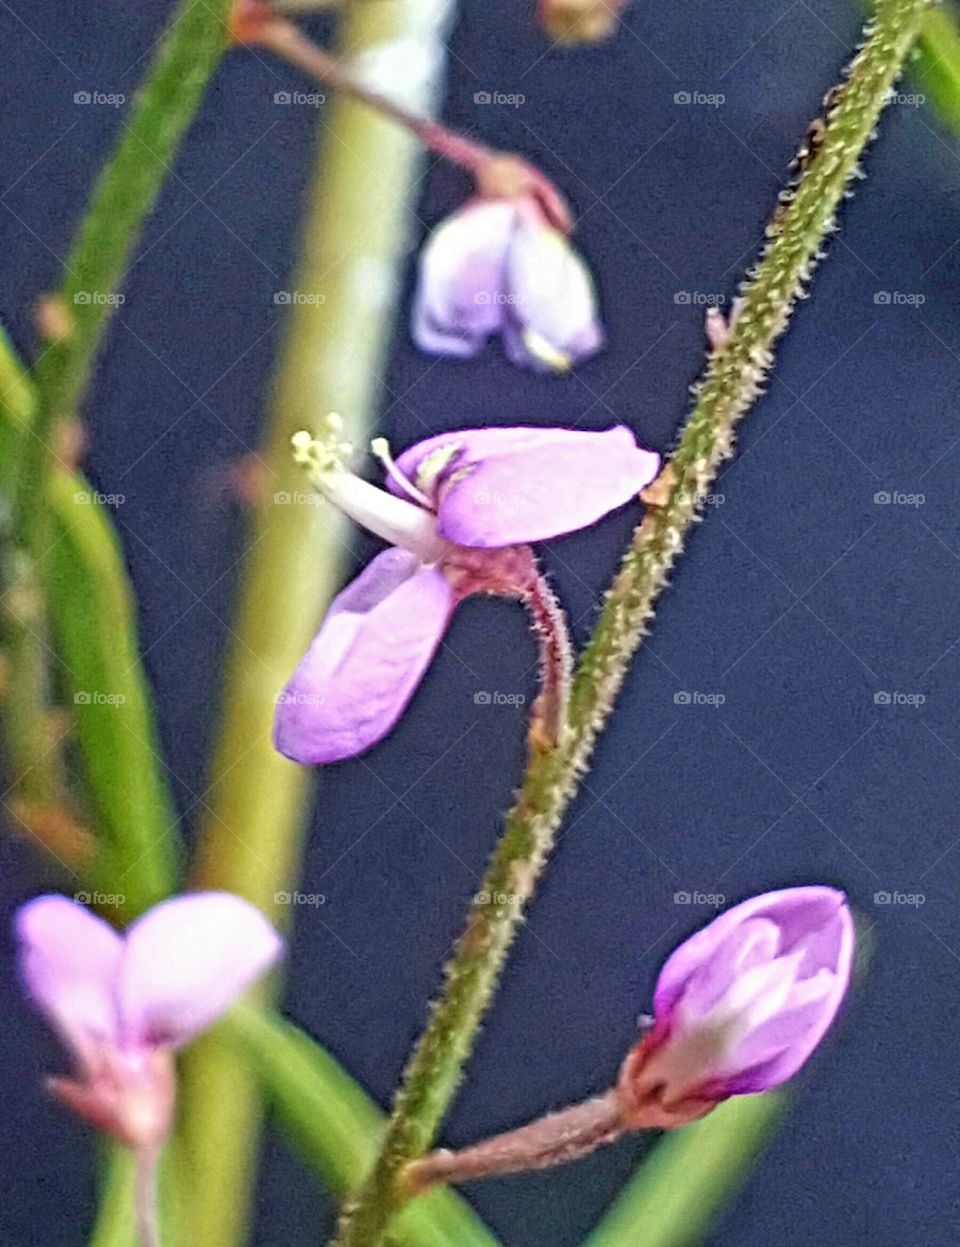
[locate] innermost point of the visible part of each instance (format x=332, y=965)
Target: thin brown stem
x=288, y=42
x=553, y=1140
x=556, y=664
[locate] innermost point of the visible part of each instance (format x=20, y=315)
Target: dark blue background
x=799, y=599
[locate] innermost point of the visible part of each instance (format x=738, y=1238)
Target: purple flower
x=500, y=266
x=741, y=1005
x=460, y=510
x=122, y=1004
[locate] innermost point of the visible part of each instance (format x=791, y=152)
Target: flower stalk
x=733, y=380
x=495, y=173
x=145, y=1197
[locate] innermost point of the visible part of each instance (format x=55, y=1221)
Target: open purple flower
x=742, y=1004
x=460, y=510
x=123, y=1003
x=500, y=266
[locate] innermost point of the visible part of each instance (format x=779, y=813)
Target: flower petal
x=551, y=302
x=365, y=663
x=185, y=962
x=816, y=916
x=499, y=487
x=460, y=300
x=69, y=959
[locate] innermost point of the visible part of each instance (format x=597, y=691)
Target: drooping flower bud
x=500, y=265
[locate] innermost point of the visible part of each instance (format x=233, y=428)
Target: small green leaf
x=335, y=1127
x=688, y=1176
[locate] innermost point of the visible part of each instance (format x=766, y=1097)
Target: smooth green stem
x=731, y=384
x=333, y=1125
x=937, y=67
x=123, y=198
x=688, y=1177
x=31, y=751
x=35, y=407
x=90, y=614
x=355, y=242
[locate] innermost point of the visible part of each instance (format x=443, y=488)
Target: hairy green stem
x=732, y=382
x=356, y=238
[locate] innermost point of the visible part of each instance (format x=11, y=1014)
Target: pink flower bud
x=742, y=1004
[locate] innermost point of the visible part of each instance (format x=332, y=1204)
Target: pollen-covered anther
x=325, y=452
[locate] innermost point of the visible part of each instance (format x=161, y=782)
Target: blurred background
x=794, y=716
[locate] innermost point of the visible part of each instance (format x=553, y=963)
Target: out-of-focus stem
x=355, y=241
x=732, y=382
x=145, y=1198
x=122, y=199
x=288, y=41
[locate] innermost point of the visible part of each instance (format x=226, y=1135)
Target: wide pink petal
x=508, y=486
x=365, y=663
x=185, y=962
x=69, y=959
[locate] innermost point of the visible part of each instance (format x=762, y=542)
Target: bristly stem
x=732, y=382
x=552, y=1140
x=549, y=712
